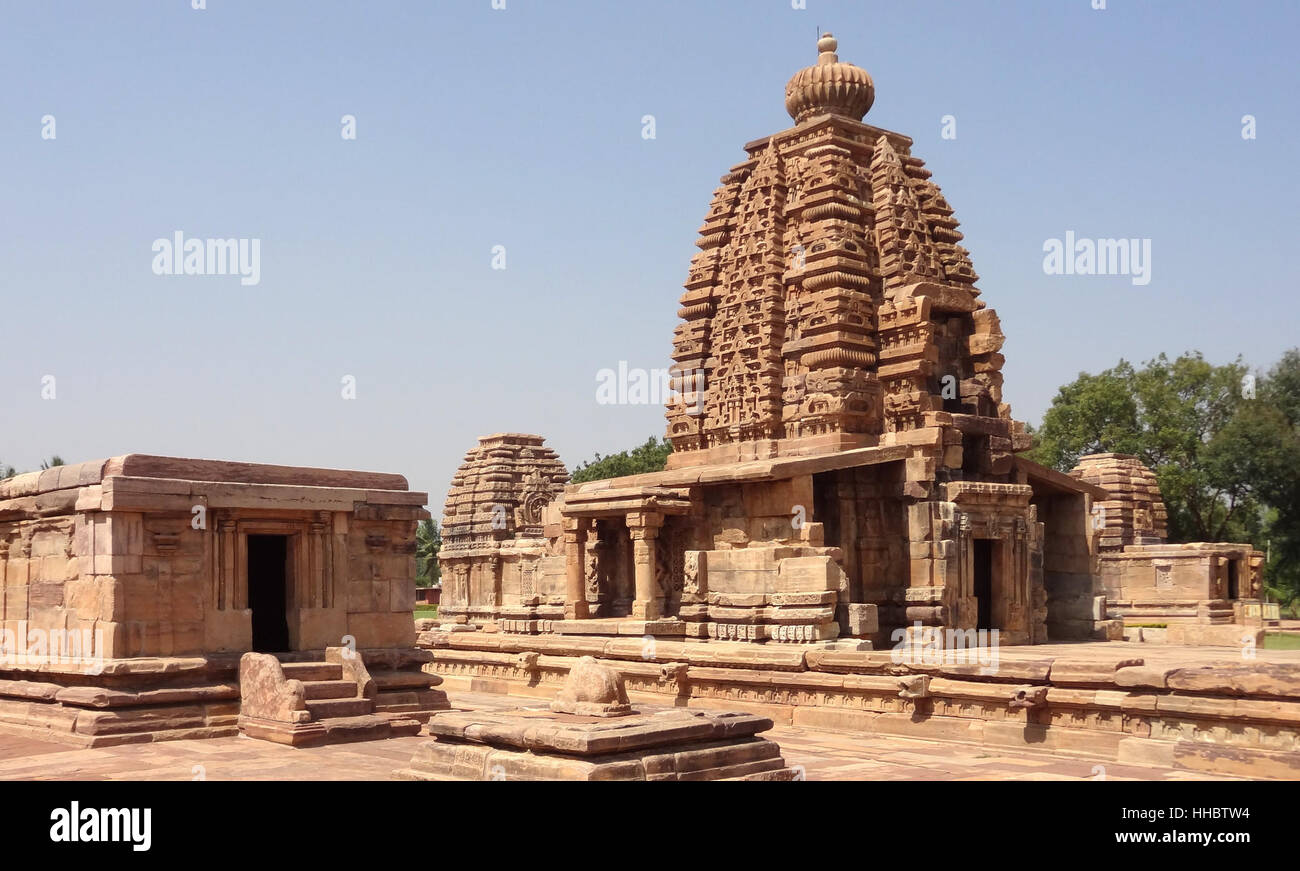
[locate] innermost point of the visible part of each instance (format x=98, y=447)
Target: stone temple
x=143, y=599
x=844, y=463
x=846, y=486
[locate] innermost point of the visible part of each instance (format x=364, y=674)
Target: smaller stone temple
x=497, y=561
x=134, y=589
x=1194, y=593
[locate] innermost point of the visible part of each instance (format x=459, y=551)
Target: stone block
x=802, y=574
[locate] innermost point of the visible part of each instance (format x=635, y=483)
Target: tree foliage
x=1223, y=443
x=649, y=457
x=428, y=541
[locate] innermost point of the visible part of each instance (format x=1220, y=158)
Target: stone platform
x=1196, y=709
x=651, y=744
x=148, y=699
x=815, y=753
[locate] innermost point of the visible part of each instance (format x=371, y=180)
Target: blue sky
x=521, y=127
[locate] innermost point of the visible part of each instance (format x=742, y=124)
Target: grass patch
x=1147, y=626
x=1281, y=641
x=426, y=611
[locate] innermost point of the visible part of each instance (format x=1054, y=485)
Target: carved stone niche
x=537, y=494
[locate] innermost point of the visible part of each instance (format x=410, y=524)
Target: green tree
x=1224, y=445
x=7, y=471
x=53, y=461
x=1264, y=448
x=1174, y=416
x=428, y=541
x=649, y=457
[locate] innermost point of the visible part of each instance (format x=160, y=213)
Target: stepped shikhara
x=1135, y=513
x=831, y=305
x=492, y=530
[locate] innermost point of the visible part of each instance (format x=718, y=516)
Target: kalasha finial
x=826, y=46
x=831, y=87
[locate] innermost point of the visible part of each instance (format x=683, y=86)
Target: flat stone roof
x=177, y=468
x=774, y=469
x=1059, y=482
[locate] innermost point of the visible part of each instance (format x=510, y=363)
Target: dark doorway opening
x=826, y=506
x=1233, y=581
x=984, y=583
x=268, y=563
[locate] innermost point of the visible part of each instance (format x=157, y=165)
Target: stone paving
x=821, y=755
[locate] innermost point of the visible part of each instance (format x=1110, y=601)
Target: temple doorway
x=609, y=570
x=983, y=582
x=268, y=562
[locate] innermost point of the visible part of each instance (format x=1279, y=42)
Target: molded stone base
x=1105, y=700
x=659, y=744
x=668, y=627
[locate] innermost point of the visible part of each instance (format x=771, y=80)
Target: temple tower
x=831, y=305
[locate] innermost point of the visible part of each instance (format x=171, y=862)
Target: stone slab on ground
x=652, y=744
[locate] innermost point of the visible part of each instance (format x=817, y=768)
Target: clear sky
x=478, y=127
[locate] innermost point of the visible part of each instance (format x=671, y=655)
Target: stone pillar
x=227, y=550
x=644, y=529
x=575, y=588
x=4, y=568
x=317, y=547
x=494, y=576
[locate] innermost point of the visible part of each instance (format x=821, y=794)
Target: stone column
x=644, y=529
x=317, y=578
x=4, y=568
x=227, y=549
x=575, y=588
x=494, y=576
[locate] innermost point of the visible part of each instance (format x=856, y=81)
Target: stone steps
x=404, y=680
x=335, y=730
x=395, y=702
x=312, y=671
x=328, y=709
x=405, y=703
x=330, y=689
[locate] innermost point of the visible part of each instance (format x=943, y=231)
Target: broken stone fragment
x=592, y=690
x=914, y=687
